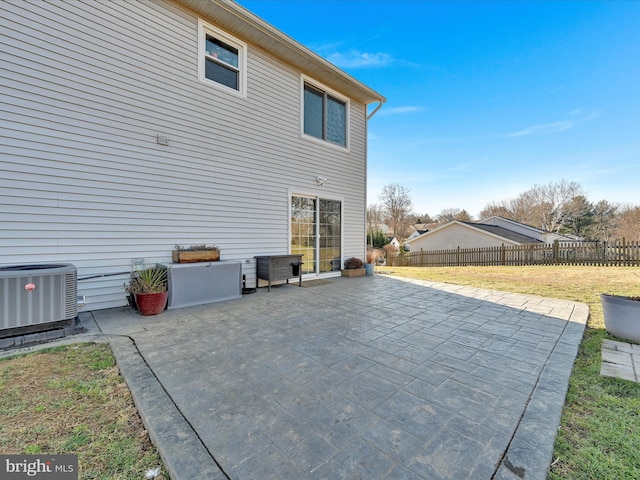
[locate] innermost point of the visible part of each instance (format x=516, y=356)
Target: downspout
x=366, y=173
x=380, y=103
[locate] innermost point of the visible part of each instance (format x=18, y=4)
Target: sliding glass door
x=303, y=231
x=316, y=233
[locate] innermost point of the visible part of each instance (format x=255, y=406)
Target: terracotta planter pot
x=151, y=303
x=621, y=317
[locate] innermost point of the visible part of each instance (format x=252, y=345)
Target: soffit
x=241, y=22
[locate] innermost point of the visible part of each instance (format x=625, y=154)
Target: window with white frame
x=222, y=58
x=325, y=115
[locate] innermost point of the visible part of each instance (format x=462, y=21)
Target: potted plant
x=353, y=267
x=148, y=289
x=196, y=253
x=622, y=316
x=371, y=258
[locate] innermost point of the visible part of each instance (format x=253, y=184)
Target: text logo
x=44, y=467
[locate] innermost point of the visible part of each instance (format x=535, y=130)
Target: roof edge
x=467, y=225
x=242, y=22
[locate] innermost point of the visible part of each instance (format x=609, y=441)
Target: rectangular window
x=325, y=116
x=222, y=59
x=222, y=63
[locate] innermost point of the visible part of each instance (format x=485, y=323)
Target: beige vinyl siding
x=85, y=89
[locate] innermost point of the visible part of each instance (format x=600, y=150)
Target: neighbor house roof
x=503, y=232
x=489, y=220
x=241, y=22
x=493, y=230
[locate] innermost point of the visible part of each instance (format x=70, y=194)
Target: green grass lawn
x=599, y=436
x=72, y=400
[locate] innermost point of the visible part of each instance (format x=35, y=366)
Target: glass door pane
x=303, y=231
x=330, y=235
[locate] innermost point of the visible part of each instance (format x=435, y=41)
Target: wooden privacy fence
x=621, y=254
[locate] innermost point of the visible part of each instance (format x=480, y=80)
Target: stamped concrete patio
x=359, y=378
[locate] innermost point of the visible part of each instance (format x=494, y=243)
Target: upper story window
x=325, y=115
x=222, y=59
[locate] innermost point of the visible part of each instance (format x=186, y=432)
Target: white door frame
x=317, y=196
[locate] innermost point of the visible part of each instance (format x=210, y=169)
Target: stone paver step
x=621, y=360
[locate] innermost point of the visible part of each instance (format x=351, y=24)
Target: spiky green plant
x=147, y=279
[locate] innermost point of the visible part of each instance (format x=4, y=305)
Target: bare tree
x=578, y=217
x=450, y=214
x=426, y=218
x=605, y=221
x=374, y=221
x=518, y=209
x=543, y=206
x=629, y=227
x=374, y=217
x=548, y=204
x=397, y=206
x=496, y=210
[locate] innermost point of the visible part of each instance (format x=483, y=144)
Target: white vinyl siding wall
x=86, y=87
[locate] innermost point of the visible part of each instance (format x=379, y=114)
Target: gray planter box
x=621, y=316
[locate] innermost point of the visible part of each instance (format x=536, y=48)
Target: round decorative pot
x=151, y=303
x=621, y=316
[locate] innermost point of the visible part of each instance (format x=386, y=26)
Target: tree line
x=560, y=207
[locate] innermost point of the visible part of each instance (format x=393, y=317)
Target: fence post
x=458, y=256
x=503, y=255
x=556, y=251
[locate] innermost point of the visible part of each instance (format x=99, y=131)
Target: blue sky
x=486, y=99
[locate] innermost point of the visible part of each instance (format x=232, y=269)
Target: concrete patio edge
x=184, y=455
x=533, y=441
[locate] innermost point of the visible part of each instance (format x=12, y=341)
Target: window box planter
x=353, y=267
x=354, y=272
x=192, y=256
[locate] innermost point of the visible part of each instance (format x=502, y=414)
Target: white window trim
x=205, y=28
x=304, y=79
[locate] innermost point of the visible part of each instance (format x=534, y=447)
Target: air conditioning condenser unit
x=34, y=296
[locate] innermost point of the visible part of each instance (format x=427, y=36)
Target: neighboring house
x=540, y=235
x=416, y=233
x=132, y=126
x=493, y=232
x=395, y=242
x=389, y=233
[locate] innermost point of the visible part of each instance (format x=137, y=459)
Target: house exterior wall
x=87, y=87
x=455, y=235
x=550, y=237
